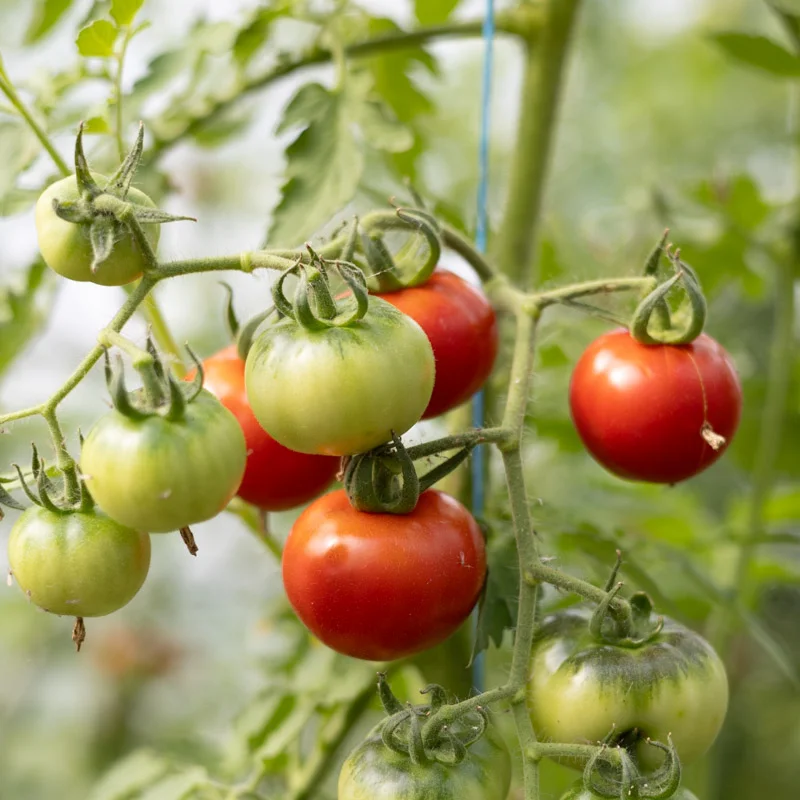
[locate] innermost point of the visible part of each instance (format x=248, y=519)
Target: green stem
x=476, y=436
x=603, y=286
x=458, y=244
x=580, y=752
x=8, y=90
x=544, y=67
x=523, y=21
x=163, y=335
x=118, y=93
x=65, y=462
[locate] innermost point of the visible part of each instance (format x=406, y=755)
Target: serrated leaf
x=46, y=15
x=381, y=131
x=128, y=778
x=97, y=39
x=23, y=312
x=498, y=605
x=433, y=12
x=125, y=11
x=759, y=52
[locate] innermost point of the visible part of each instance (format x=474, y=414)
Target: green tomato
x=374, y=772
x=66, y=248
x=580, y=688
x=80, y=564
x=341, y=391
x=578, y=792
x=160, y=475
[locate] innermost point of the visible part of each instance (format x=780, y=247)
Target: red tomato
x=640, y=409
x=462, y=328
x=275, y=477
x=384, y=586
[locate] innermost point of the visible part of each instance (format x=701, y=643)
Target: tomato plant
x=80, y=564
x=580, y=688
x=462, y=328
x=374, y=772
x=384, y=586
x=159, y=474
x=275, y=477
x=641, y=410
x=359, y=382
x=67, y=249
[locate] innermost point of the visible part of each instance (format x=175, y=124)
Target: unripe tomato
x=66, y=248
x=462, y=328
x=384, y=586
x=275, y=477
x=374, y=772
x=340, y=391
x=580, y=688
x=640, y=409
x=80, y=564
x=160, y=475
x=578, y=792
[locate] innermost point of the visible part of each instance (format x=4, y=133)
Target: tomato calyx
x=105, y=210
x=402, y=732
x=385, y=481
x=617, y=777
x=635, y=631
x=653, y=322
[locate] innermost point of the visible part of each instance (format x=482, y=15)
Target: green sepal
x=244, y=339
x=78, y=212
x=176, y=406
x=25, y=488
x=104, y=232
x=442, y=470
x=119, y=183
x=284, y=306
x=44, y=492
x=115, y=380
x=438, y=696
x=391, y=705
x=416, y=749
x=231, y=320
x=83, y=178
x=7, y=500
x=349, y=249
x=196, y=386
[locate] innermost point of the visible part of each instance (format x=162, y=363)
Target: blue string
x=478, y=403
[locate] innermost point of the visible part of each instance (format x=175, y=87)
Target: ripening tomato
x=462, y=328
x=340, y=390
x=67, y=250
x=275, y=477
x=641, y=409
x=384, y=586
x=80, y=564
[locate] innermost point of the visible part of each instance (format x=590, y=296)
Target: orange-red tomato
x=275, y=477
x=641, y=409
x=384, y=586
x=462, y=328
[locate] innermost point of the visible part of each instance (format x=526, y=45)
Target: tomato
x=579, y=688
x=374, y=772
x=640, y=409
x=340, y=391
x=80, y=564
x=578, y=792
x=462, y=328
x=275, y=477
x=384, y=586
x=66, y=248
x=160, y=475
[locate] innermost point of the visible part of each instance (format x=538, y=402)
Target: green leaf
x=773, y=648
x=177, y=787
x=97, y=39
x=96, y=125
x=23, y=312
x=498, y=605
x=787, y=6
x=433, y=12
x=222, y=127
x=125, y=11
x=46, y=15
x=759, y=52
x=19, y=147
x=381, y=131
x=255, y=34
x=128, y=778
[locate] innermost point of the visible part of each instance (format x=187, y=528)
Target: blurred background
x=658, y=128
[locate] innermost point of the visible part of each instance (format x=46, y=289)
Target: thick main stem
x=543, y=73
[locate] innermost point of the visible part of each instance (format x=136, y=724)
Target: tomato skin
x=674, y=684
x=578, y=792
x=374, y=772
x=66, y=248
x=340, y=391
x=462, y=328
x=384, y=586
x=275, y=478
x=79, y=564
x=161, y=475
x=639, y=408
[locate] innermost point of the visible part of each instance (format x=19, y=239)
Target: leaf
x=498, y=605
x=46, y=15
x=432, y=12
x=96, y=125
x=254, y=35
x=125, y=11
x=128, y=778
x=97, y=39
x=21, y=314
x=771, y=646
x=176, y=787
x=759, y=52
x=787, y=6
x=19, y=148
x=222, y=127
x=326, y=161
